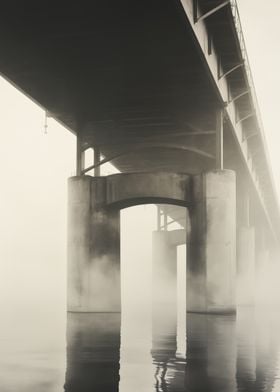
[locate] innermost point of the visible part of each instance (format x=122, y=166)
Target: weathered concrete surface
x=93, y=248
x=94, y=239
x=246, y=266
x=177, y=237
x=135, y=188
x=212, y=245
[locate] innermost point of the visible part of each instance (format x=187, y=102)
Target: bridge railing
x=238, y=26
x=254, y=100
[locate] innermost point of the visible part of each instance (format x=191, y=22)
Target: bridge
x=162, y=89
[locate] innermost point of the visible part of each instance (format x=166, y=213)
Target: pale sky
x=35, y=166
x=260, y=22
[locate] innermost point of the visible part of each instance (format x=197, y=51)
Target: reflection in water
x=136, y=370
x=110, y=352
x=164, y=349
x=93, y=352
x=211, y=353
x=224, y=353
x=246, y=350
x=258, y=350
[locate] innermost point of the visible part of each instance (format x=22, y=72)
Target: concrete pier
x=93, y=248
x=246, y=266
x=164, y=272
x=94, y=240
x=212, y=244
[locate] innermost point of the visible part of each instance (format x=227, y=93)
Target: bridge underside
x=131, y=80
x=125, y=76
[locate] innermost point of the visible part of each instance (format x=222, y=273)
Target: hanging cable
x=46, y=122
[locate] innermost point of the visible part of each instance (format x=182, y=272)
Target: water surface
x=136, y=352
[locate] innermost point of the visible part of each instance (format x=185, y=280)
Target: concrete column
x=212, y=244
x=246, y=266
x=93, y=248
x=164, y=273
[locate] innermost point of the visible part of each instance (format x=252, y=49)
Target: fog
x=261, y=30
x=33, y=204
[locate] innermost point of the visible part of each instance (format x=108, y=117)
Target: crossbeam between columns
x=209, y=13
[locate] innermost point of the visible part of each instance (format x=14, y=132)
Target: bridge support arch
x=94, y=236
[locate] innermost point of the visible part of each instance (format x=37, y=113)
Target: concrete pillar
x=93, y=248
x=212, y=244
x=246, y=266
x=164, y=273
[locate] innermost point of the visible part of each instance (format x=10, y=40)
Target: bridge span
x=162, y=89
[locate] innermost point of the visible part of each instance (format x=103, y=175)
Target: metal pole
x=247, y=210
x=220, y=140
x=165, y=218
x=97, y=156
x=158, y=218
x=80, y=156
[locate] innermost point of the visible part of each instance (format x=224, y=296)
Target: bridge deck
x=140, y=80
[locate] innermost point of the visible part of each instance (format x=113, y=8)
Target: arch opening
x=149, y=263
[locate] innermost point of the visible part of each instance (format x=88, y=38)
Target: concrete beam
x=135, y=188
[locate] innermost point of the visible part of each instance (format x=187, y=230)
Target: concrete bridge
x=162, y=89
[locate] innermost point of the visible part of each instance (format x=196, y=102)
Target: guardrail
x=238, y=26
x=254, y=100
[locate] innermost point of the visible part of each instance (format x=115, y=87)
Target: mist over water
x=43, y=349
